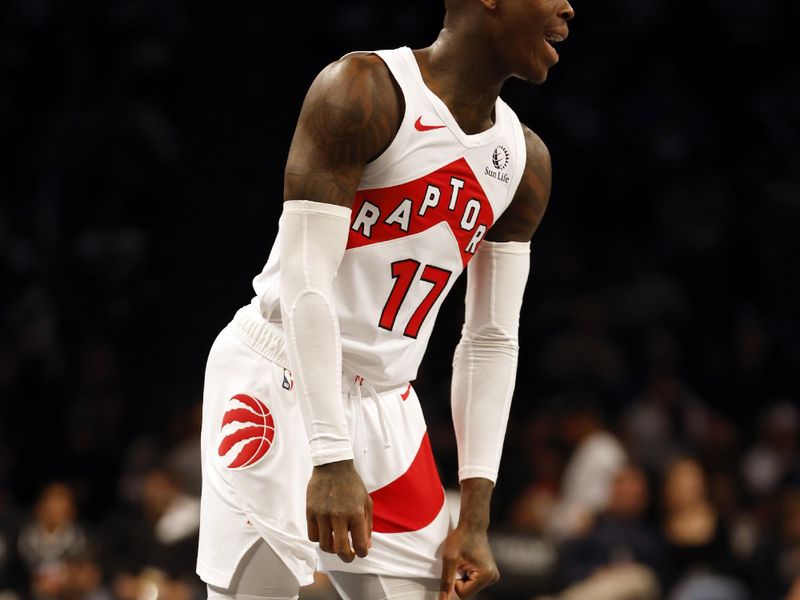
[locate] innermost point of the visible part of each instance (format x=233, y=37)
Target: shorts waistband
x=267, y=340
x=260, y=335
x=350, y=382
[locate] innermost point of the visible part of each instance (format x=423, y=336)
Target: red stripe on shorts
x=411, y=501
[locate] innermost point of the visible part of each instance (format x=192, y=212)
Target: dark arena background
x=653, y=442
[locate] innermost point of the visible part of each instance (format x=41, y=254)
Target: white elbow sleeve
x=313, y=239
x=485, y=362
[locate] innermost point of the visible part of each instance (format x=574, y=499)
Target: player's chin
x=537, y=67
x=541, y=77
x=535, y=73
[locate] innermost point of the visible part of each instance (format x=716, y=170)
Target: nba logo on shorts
x=247, y=432
x=288, y=380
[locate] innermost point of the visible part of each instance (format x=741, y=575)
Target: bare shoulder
x=365, y=66
x=537, y=152
x=522, y=217
x=351, y=113
x=353, y=90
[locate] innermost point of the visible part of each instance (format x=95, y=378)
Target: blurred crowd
x=653, y=446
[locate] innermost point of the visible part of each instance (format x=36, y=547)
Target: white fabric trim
x=313, y=241
x=485, y=361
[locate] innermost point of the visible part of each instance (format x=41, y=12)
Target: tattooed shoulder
x=350, y=115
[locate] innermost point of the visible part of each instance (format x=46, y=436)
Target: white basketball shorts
x=256, y=465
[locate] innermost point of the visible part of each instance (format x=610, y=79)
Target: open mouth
x=552, y=38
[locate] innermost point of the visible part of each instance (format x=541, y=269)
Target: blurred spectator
x=776, y=562
x=51, y=537
x=695, y=534
x=184, y=457
x=708, y=586
x=794, y=593
x=775, y=455
x=621, y=534
x=538, y=443
x=620, y=582
x=79, y=577
x=532, y=509
x=150, y=584
x=84, y=580
x=597, y=457
x=161, y=533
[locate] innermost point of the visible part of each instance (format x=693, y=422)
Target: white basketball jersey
x=420, y=213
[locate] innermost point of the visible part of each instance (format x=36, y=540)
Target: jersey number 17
x=404, y=272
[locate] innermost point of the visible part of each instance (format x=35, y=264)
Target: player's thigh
x=261, y=575
x=357, y=586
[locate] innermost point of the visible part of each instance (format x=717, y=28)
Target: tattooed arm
x=350, y=115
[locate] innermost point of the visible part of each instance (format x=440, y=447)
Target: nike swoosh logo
x=420, y=127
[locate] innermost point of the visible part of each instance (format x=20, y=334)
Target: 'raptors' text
x=451, y=194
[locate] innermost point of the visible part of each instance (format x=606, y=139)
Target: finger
x=313, y=528
x=325, y=535
x=474, y=582
x=448, y=578
x=341, y=541
x=358, y=530
x=464, y=588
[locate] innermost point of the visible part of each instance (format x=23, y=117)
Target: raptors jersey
x=421, y=210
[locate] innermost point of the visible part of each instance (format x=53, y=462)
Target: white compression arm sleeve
x=313, y=237
x=485, y=362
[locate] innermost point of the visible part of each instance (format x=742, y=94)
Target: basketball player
x=405, y=168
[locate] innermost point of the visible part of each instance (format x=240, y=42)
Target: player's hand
x=467, y=552
x=339, y=510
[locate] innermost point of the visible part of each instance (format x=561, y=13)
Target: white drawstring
x=381, y=415
x=359, y=381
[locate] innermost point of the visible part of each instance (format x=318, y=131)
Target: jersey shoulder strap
x=403, y=69
x=516, y=135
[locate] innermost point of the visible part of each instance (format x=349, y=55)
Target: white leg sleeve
x=363, y=586
x=261, y=576
x=313, y=241
x=485, y=362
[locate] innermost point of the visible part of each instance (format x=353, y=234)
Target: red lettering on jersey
x=451, y=194
x=411, y=501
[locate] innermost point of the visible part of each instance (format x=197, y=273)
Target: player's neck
x=458, y=69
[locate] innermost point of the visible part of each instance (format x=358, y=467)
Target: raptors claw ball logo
x=247, y=432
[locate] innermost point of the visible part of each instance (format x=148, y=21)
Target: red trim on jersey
x=389, y=198
x=411, y=501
